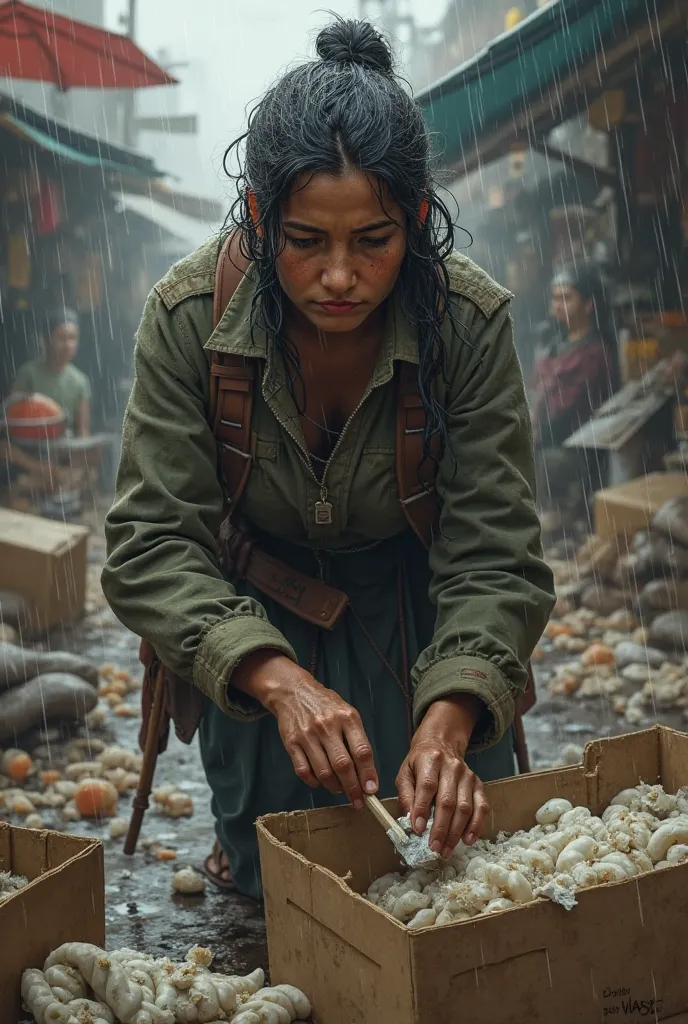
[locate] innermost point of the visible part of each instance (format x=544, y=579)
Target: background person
x=575, y=372
x=54, y=374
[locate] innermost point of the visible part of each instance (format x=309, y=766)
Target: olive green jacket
x=162, y=578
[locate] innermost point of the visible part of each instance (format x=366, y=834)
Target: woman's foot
x=216, y=869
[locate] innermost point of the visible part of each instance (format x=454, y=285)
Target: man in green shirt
x=55, y=376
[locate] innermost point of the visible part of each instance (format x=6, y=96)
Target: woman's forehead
x=329, y=198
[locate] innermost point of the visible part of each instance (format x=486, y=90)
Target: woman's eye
x=303, y=243
x=377, y=243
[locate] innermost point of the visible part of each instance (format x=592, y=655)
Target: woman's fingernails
x=370, y=787
x=470, y=839
x=358, y=804
x=446, y=852
x=420, y=824
x=436, y=846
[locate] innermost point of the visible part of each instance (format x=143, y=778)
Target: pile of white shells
x=82, y=984
x=9, y=884
x=569, y=849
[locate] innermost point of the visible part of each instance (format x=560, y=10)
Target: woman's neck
x=577, y=334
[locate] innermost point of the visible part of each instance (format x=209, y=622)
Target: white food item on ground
x=569, y=849
x=118, y=828
x=127, y=987
x=188, y=881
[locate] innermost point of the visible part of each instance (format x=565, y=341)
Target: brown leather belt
x=309, y=598
x=305, y=596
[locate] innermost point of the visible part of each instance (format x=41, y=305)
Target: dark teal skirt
x=248, y=769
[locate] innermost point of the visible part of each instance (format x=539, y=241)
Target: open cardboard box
x=620, y=512
x=44, y=561
x=619, y=954
x=63, y=902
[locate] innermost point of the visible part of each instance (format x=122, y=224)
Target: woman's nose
x=339, y=274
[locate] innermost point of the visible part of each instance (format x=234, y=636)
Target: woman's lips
x=338, y=307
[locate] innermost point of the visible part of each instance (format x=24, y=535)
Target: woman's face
x=64, y=343
x=343, y=249
x=569, y=308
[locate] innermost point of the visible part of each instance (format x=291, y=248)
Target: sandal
x=216, y=869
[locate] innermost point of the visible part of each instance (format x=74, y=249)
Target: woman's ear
x=253, y=210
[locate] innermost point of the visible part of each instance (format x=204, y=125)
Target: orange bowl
x=34, y=418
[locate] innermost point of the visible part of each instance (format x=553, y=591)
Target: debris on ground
x=80, y=980
x=188, y=881
x=619, y=632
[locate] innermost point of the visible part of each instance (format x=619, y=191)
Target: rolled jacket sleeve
x=162, y=576
x=493, y=591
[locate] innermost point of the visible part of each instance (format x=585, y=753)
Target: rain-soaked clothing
x=69, y=387
x=570, y=381
x=472, y=611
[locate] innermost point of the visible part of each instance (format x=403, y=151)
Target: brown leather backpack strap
x=232, y=379
x=415, y=475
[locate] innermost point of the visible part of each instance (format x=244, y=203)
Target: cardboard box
x=44, y=561
x=63, y=902
x=625, y=509
x=620, y=953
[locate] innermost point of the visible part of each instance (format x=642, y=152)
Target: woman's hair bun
x=355, y=42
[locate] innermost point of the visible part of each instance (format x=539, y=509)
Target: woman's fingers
x=481, y=809
x=463, y=812
x=302, y=767
x=344, y=770
x=445, y=804
x=427, y=776
x=362, y=754
x=321, y=768
x=406, y=786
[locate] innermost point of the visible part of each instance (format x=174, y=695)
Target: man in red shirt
x=574, y=374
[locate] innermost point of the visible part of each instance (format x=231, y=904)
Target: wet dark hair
x=348, y=109
x=58, y=316
x=590, y=283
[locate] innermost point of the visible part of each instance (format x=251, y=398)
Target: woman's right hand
x=322, y=734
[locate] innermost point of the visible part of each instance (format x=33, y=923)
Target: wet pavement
x=142, y=910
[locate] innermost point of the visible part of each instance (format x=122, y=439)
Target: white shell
x=550, y=812
x=298, y=999
x=408, y=905
x=423, y=919
x=626, y=798
x=576, y=816
x=499, y=904
x=667, y=835
x=677, y=854
x=519, y=888
x=622, y=861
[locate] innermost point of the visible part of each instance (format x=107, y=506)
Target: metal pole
x=130, y=97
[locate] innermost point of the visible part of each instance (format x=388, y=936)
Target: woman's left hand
x=435, y=770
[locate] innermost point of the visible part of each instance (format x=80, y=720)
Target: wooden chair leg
x=150, y=757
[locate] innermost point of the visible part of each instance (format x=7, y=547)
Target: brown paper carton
x=622, y=511
x=64, y=902
x=619, y=954
x=44, y=561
